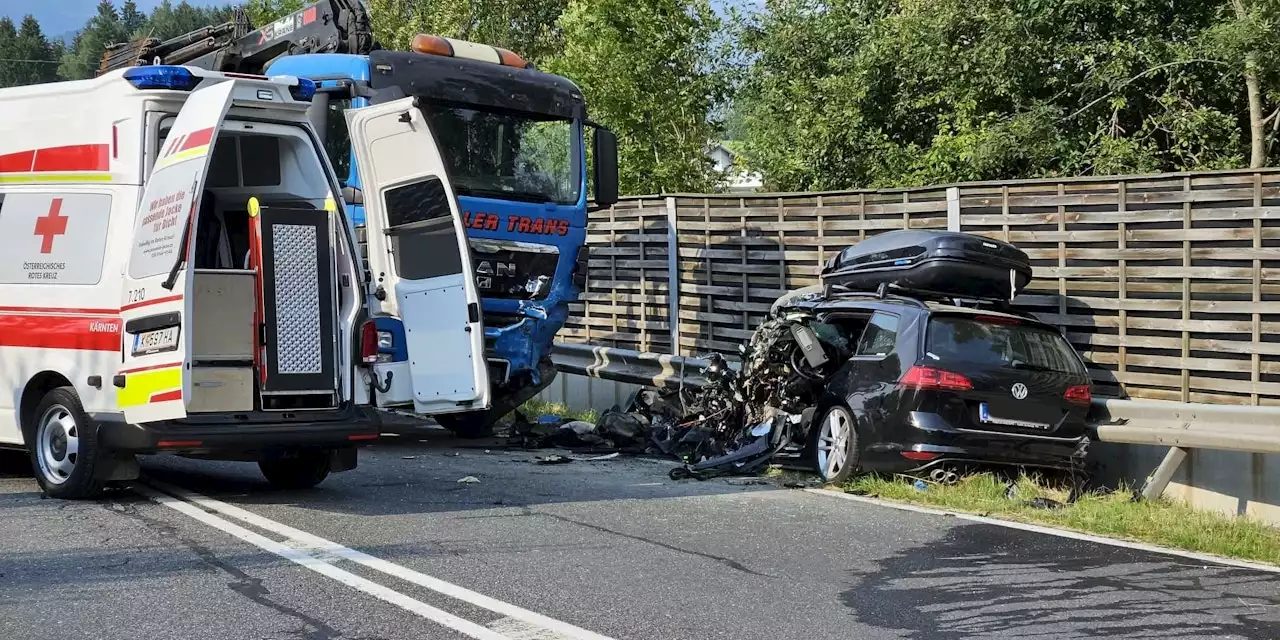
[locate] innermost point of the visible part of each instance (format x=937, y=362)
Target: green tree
x=1245, y=39
x=30, y=56
x=264, y=11
x=9, y=68
x=846, y=93
x=168, y=20
x=85, y=55
x=651, y=71
x=132, y=20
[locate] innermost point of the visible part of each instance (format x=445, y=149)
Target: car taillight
x=1079, y=394
x=368, y=343
x=918, y=377
x=920, y=456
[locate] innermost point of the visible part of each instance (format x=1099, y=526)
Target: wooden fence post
x=673, y=275
x=953, y=208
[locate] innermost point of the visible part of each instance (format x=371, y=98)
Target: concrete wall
x=1224, y=481
x=582, y=392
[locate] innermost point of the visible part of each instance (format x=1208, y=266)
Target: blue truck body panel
x=527, y=328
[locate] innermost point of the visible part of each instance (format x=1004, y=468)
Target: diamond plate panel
x=298, y=331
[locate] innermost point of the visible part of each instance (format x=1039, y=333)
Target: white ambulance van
x=177, y=276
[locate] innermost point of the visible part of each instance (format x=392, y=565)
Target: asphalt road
x=398, y=549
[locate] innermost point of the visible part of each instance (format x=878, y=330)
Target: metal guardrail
x=623, y=365
x=1183, y=426
x=1179, y=426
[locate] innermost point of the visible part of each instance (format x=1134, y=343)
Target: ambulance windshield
x=506, y=155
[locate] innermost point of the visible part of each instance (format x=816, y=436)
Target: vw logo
x=1019, y=391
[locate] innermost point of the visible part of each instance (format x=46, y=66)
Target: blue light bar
x=304, y=91
x=162, y=77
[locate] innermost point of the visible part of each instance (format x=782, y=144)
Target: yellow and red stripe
x=73, y=329
x=68, y=163
x=150, y=384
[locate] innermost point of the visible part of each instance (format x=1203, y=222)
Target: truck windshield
x=505, y=155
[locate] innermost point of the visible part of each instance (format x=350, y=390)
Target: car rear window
x=1000, y=344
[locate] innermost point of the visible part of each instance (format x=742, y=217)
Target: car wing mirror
x=353, y=196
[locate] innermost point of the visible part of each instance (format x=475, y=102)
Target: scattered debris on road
x=469, y=480
x=840, y=374
x=553, y=459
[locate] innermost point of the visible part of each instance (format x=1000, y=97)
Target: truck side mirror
x=604, y=154
x=352, y=196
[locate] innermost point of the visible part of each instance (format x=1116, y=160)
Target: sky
x=59, y=17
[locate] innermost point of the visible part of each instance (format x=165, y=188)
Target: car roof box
x=941, y=263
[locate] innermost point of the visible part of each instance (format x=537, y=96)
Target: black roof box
x=938, y=262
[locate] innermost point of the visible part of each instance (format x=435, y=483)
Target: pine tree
x=85, y=56
x=33, y=55
x=9, y=69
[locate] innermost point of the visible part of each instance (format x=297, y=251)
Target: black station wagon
x=922, y=386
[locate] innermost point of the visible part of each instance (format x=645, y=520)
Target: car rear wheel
x=299, y=470
x=834, y=445
x=63, y=443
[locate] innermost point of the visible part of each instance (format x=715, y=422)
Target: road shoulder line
x=1041, y=529
x=326, y=547
x=323, y=567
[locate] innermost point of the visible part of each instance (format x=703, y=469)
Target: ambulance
x=177, y=276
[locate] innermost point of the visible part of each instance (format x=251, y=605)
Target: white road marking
x=322, y=567
x=332, y=550
x=519, y=630
x=1061, y=533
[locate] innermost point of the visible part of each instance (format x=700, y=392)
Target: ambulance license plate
x=155, y=341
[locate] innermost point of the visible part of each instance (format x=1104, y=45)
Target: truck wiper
x=177, y=263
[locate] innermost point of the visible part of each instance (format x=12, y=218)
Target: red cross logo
x=50, y=226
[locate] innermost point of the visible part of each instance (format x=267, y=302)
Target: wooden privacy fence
x=1169, y=285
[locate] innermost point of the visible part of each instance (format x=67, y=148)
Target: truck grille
x=513, y=270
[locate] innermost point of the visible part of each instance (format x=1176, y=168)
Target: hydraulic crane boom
x=328, y=26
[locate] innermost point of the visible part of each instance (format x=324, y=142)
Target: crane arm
x=327, y=26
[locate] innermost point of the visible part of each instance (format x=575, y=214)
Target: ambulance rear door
x=155, y=307
x=419, y=255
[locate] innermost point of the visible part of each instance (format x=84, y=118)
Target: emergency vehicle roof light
x=453, y=48
x=304, y=91
x=162, y=77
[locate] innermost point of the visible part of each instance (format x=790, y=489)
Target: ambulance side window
x=420, y=224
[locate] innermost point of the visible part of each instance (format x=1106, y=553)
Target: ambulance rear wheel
x=297, y=470
x=63, y=443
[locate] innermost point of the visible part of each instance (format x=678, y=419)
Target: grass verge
x=1160, y=522
x=535, y=407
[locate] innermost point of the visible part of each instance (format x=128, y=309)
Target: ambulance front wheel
x=297, y=469
x=63, y=443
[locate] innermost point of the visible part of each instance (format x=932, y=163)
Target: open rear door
x=155, y=376
x=419, y=255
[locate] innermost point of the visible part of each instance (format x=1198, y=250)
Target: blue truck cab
x=511, y=140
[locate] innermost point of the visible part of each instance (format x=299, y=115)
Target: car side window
x=880, y=336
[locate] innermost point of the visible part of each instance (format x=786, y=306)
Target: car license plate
x=984, y=415
x=155, y=341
